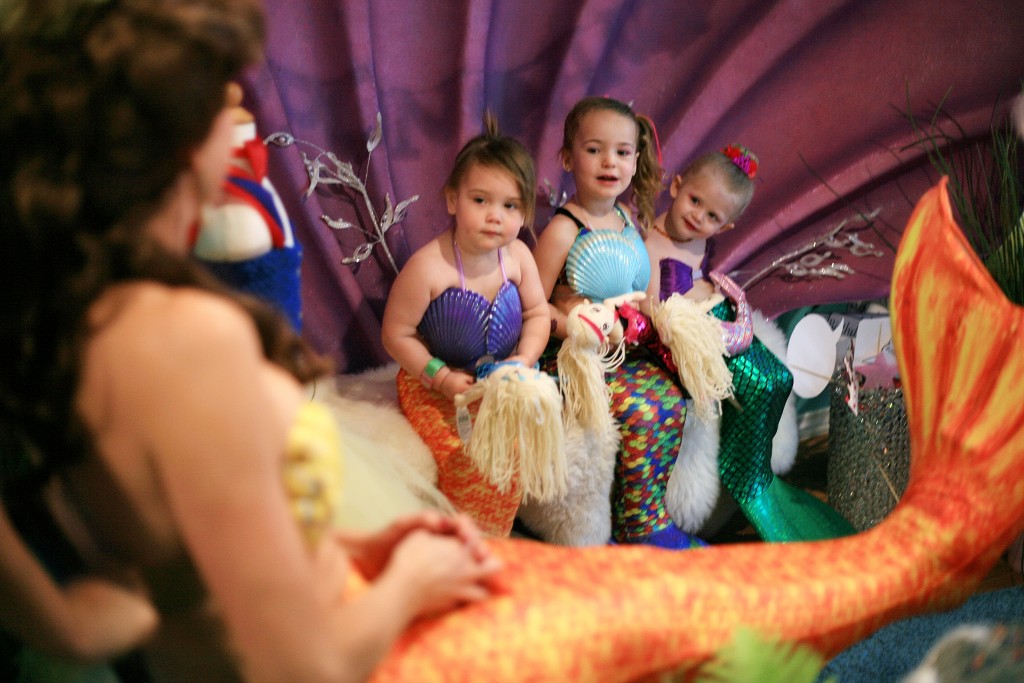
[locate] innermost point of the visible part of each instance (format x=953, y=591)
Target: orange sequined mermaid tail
x=626, y=612
x=458, y=478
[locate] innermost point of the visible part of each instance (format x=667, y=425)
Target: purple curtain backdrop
x=817, y=88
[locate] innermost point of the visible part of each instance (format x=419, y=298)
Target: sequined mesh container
x=868, y=454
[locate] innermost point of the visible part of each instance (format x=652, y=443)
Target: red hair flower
x=743, y=158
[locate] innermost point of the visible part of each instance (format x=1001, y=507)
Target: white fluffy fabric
x=369, y=417
x=366, y=408
x=694, y=487
x=694, y=498
x=584, y=515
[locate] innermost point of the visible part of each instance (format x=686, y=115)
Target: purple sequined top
x=461, y=327
x=678, y=277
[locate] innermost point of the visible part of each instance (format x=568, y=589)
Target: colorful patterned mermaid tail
x=650, y=410
x=624, y=612
x=779, y=512
x=459, y=479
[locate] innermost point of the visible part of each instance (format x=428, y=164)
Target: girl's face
x=603, y=155
x=702, y=206
x=488, y=209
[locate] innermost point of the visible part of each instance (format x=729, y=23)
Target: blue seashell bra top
x=646, y=400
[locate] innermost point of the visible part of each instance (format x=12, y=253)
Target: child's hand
x=454, y=383
x=522, y=360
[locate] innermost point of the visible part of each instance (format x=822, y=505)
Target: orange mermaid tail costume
x=458, y=478
x=622, y=613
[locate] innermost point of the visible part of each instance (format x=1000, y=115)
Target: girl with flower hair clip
x=705, y=332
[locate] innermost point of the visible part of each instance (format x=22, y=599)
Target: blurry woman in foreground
x=166, y=408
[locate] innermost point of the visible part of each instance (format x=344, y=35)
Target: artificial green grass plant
x=986, y=187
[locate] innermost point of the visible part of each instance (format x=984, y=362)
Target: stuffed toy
x=582, y=515
x=697, y=348
x=593, y=346
x=694, y=498
x=517, y=435
x=246, y=238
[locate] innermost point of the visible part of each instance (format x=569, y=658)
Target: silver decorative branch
x=804, y=262
x=554, y=199
x=326, y=169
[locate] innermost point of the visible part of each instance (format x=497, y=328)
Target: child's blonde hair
x=647, y=182
x=736, y=165
x=495, y=150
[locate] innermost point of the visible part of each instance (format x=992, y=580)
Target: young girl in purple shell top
x=466, y=300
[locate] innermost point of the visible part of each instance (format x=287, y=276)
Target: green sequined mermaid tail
x=777, y=510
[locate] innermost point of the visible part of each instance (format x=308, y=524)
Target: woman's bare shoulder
x=152, y=327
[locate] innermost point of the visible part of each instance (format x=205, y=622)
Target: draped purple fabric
x=817, y=88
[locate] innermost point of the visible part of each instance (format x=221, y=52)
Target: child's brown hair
x=493, y=149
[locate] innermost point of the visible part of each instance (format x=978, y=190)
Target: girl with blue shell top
x=592, y=250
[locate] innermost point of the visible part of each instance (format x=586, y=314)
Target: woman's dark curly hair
x=102, y=102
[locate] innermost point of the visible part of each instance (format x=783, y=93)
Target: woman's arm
x=215, y=418
x=90, y=619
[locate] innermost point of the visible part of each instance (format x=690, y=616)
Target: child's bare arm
x=550, y=254
x=414, y=288
x=407, y=302
x=536, y=315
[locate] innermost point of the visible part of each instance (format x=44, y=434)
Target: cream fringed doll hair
x=592, y=347
x=695, y=339
x=518, y=430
